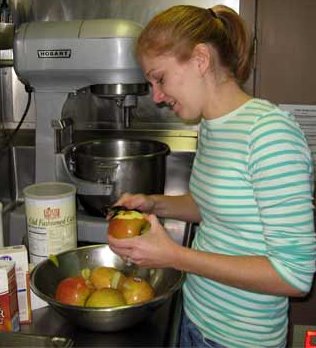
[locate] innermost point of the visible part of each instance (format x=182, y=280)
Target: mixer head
x=71, y=55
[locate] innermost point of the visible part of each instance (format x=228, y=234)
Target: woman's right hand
x=153, y=249
x=141, y=202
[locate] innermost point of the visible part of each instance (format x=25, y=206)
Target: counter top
x=160, y=330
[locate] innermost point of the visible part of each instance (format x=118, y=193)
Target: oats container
x=51, y=219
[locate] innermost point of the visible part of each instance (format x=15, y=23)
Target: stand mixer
x=61, y=59
x=58, y=58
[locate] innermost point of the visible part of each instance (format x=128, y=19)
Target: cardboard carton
x=18, y=254
x=9, y=311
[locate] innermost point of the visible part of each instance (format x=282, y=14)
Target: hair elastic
x=213, y=13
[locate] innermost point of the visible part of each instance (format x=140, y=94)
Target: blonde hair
x=179, y=29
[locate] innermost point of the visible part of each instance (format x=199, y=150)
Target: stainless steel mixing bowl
x=47, y=274
x=119, y=165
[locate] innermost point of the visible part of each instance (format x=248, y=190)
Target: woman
x=250, y=187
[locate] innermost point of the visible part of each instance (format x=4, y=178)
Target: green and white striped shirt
x=252, y=180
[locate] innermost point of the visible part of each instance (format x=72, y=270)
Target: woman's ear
x=202, y=55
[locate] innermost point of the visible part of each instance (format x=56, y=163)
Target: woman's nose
x=157, y=95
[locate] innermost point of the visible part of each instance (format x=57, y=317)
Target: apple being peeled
x=127, y=223
x=136, y=290
x=73, y=291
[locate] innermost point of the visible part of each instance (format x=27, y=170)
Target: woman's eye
x=160, y=81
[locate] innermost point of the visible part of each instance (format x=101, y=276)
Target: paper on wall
x=306, y=117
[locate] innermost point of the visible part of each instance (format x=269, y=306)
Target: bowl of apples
x=94, y=288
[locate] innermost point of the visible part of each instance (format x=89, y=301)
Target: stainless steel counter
x=160, y=330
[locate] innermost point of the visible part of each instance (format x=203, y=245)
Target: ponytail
x=240, y=57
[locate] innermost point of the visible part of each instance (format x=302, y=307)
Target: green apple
x=105, y=298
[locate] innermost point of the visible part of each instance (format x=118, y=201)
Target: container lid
x=47, y=190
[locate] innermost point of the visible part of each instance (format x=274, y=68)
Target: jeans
x=191, y=337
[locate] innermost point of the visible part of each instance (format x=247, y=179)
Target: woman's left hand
x=153, y=249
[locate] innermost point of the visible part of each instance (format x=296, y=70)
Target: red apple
x=136, y=290
x=73, y=291
x=126, y=224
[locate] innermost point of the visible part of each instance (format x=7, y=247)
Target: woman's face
x=178, y=84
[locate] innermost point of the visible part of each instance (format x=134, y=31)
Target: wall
x=286, y=49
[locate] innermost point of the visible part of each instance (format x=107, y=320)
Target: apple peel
x=85, y=273
x=54, y=260
x=117, y=279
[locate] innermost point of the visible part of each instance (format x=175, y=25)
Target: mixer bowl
x=119, y=165
x=47, y=274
